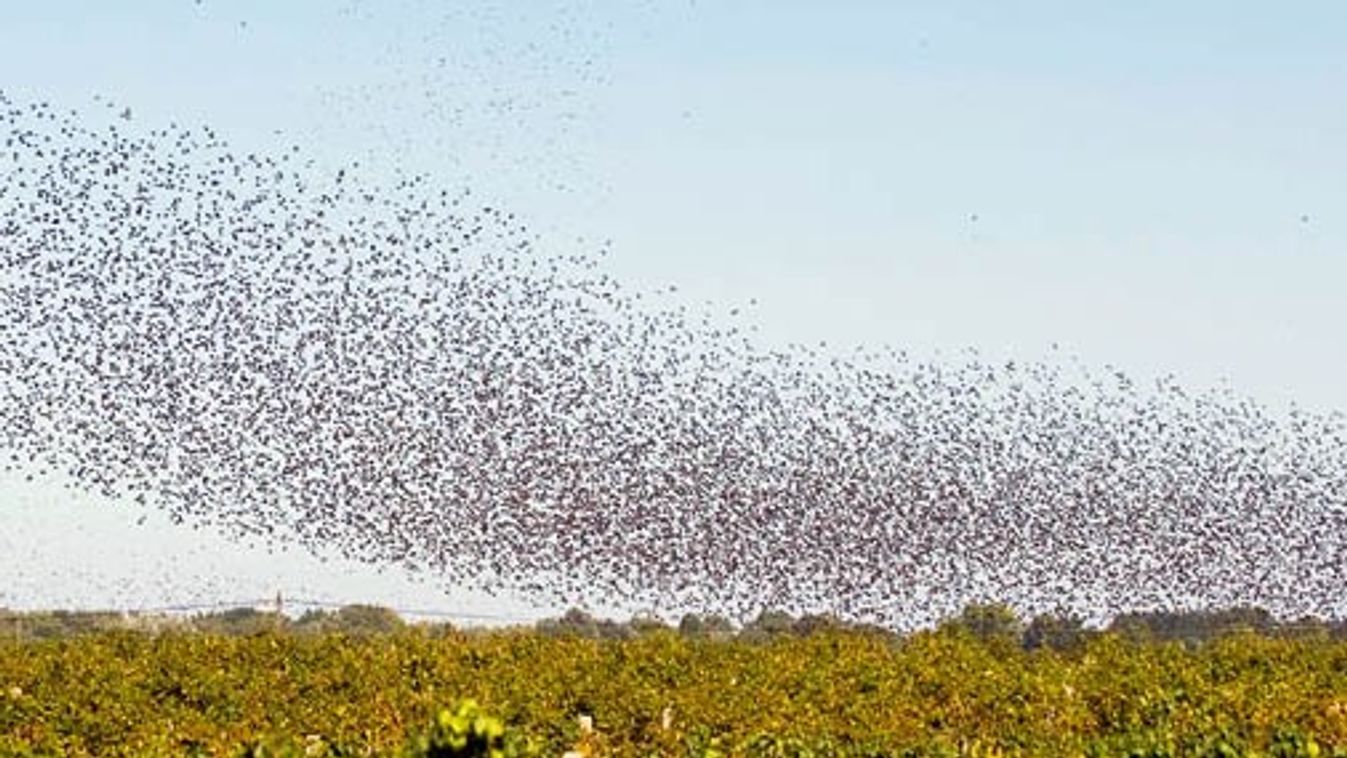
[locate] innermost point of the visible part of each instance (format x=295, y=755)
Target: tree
x=240, y=621
x=574, y=623
x=989, y=622
x=1059, y=631
x=709, y=626
x=813, y=623
x=368, y=619
x=647, y=623
x=769, y=624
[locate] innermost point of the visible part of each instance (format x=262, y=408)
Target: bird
x=295, y=354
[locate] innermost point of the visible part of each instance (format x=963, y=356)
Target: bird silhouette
x=392, y=372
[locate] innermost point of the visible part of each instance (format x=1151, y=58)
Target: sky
x=1151, y=185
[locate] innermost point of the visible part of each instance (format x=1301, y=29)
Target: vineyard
x=437, y=691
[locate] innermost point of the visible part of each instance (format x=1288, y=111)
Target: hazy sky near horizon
x=1159, y=186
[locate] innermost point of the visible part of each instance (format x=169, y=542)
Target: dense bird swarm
x=387, y=370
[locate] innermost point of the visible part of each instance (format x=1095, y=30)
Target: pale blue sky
x=1156, y=185
x=1138, y=176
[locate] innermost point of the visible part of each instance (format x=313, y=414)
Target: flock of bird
x=300, y=354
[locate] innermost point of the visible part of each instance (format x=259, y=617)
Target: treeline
x=351, y=619
x=990, y=622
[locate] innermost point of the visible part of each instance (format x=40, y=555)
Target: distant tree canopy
x=579, y=623
x=707, y=626
x=240, y=621
x=1062, y=630
x=352, y=619
x=991, y=623
x=57, y=624
x=1195, y=626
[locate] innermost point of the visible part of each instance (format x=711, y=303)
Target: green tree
x=705, y=626
x=990, y=622
x=1060, y=631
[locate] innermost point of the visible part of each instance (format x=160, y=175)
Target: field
x=957, y=690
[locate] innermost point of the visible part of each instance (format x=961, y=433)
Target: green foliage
x=994, y=623
x=241, y=621
x=578, y=623
x=706, y=626
x=1199, y=626
x=352, y=619
x=468, y=732
x=768, y=625
x=1061, y=631
x=957, y=691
